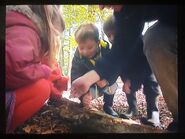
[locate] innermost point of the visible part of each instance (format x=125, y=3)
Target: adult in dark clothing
x=129, y=24
x=133, y=81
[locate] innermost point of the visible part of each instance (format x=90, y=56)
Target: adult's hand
x=82, y=84
x=101, y=83
x=86, y=100
x=127, y=86
x=79, y=87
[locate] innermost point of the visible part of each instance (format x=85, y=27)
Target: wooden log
x=85, y=120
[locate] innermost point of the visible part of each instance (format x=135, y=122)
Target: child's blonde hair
x=87, y=31
x=54, y=26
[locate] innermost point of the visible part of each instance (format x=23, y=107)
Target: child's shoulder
x=104, y=44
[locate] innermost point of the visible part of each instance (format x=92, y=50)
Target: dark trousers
x=151, y=91
x=160, y=48
x=108, y=100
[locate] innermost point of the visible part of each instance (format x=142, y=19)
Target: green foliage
x=73, y=43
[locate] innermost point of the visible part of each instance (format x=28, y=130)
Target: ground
x=48, y=121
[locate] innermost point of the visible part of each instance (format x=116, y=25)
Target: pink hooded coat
x=23, y=47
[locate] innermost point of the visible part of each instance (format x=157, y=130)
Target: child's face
x=88, y=48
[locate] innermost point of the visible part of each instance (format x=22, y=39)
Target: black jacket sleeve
x=127, y=50
x=128, y=23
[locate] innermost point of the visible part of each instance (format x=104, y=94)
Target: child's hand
x=101, y=83
x=62, y=83
x=56, y=71
x=54, y=77
x=86, y=100
x=126, y=87
x=55, y=93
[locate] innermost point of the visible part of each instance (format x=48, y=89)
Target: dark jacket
x=127, y=55
x=81, y=65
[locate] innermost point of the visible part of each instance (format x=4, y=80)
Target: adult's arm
x=129, y=24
